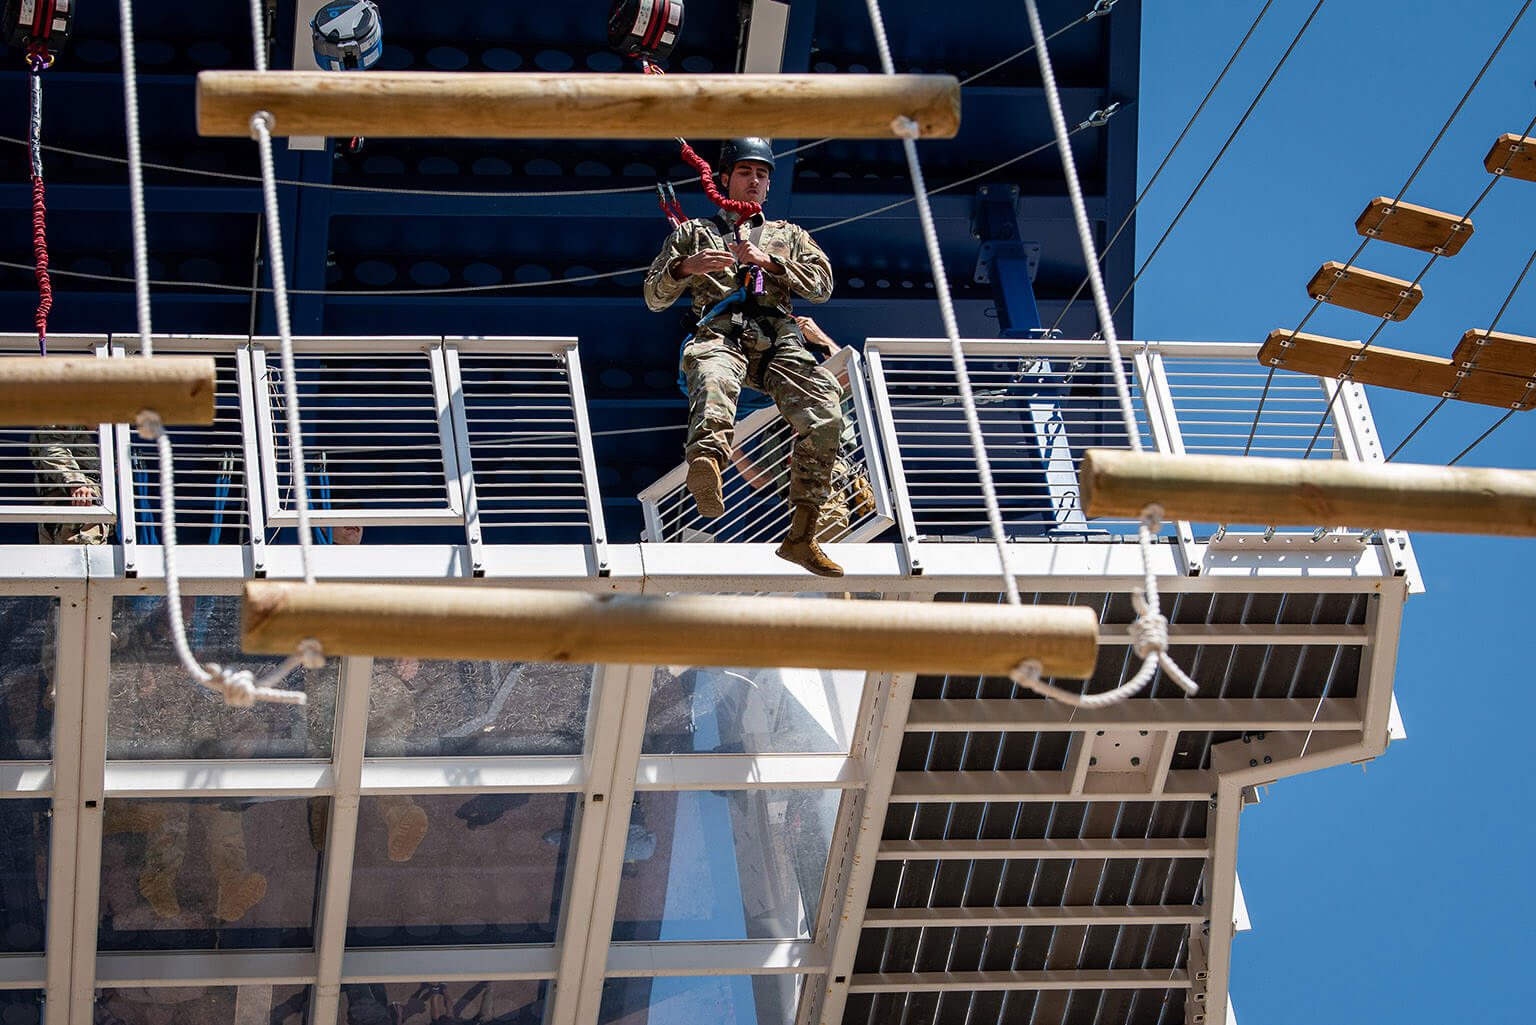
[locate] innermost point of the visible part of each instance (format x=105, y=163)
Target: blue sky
x=1403, y=893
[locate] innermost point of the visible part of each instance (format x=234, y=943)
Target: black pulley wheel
x=645, y=28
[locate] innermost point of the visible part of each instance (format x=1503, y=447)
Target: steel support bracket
x=1006, y=262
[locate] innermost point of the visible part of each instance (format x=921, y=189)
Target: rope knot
x=311, y=654
x=905, y=127
x=261, y=124
x=1149, y=633
x=237, y=685
x=149, y=424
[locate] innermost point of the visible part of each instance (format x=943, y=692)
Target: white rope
x=909, y=131
x=1149, y=633
x=239, y=688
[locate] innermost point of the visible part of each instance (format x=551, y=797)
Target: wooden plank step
x=1500, y=353
x=1364, y=290
x=1417, y=227
x=1393, y=368
x=1521, y=165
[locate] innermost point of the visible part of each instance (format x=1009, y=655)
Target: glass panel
x=21, y=1006
x=690, y=999
x=28, y=628
x=753, y=711
x=725, y=865
x=23, y=875
x=482, y=1003
x=156, y=711
x=433, y=707
x=199, y=1005
x=208, y=873
x=446, y=870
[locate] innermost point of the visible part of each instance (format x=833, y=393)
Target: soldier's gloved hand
x=750, y=254
x=705, y=261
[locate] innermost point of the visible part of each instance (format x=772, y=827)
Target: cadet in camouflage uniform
x=755, y=341
x=68, y=468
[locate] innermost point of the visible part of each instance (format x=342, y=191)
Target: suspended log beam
x=1393, y=368
x=1519, y=151
x=67, y=390
x=536, y=105
x=1364, y=290
x=1311, y=492
x=504, y=624
x=1417, y=227
x=1514, y=355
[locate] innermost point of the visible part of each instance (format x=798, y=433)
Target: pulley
x=348, y=36
x=645, y=29
x=38, y=23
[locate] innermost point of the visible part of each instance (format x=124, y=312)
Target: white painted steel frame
x=283, y=514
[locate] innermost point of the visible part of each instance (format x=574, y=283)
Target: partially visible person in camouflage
x=68, y=468
x=752, y=340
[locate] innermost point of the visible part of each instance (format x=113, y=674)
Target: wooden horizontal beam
x=1501, y=353
x=1393, y=368
x=1516, y=154
x=1417, y=227
x=563, y=626
x=538, y=105
x=1380, y=295
x=70, y=390
x=1313, y=492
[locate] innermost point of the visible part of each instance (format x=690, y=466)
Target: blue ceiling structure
x=434, y=214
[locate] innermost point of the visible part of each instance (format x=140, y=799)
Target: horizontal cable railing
x=756, y=484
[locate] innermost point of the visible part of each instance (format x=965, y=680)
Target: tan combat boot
x=238, y=893
x=704, y=485
x=406, y=824
x=159, y=888
x=800, y=545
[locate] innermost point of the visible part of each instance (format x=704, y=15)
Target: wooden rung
x=1312, y=492
x=1393, y=368
x=1500, y=353
x=68, y=390
x=536, y=105
x=504, y=624
x=1417, y=227
x=1519, y=151
x=1364, y=290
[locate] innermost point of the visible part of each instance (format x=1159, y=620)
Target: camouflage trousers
x=782, y=368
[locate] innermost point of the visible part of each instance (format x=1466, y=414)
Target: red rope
x=40, y=246
x=707, y=179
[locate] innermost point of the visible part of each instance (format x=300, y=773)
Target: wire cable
x=1131, y=213
x=1319, y=300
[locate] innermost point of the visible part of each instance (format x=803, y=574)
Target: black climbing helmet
x=736, y=150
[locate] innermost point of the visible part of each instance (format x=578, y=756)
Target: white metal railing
x=756, y=482
x=395, y=431
x=1042, y=403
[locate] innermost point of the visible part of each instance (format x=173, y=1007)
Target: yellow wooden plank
x=1417, y=227
x=1364, y=290
x=539, y=105
x=1500, y=353
x=1393, y=368
x=83, y=390
x=1515, y=154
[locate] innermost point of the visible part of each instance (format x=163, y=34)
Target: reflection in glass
x=23, y=875
x=197, y=1005
x=157, y=711
x=28, y=633
x=448, y=870
x=198, y=874
x=727, y=865
x=479, y=1003
x=754, y=711
x=434, y=707
x=21, y=1006
x=691, y=1000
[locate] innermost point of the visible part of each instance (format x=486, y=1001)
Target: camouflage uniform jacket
x=65, y=458
x=807, y=271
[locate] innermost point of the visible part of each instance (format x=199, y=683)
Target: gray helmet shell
x=734, y=151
